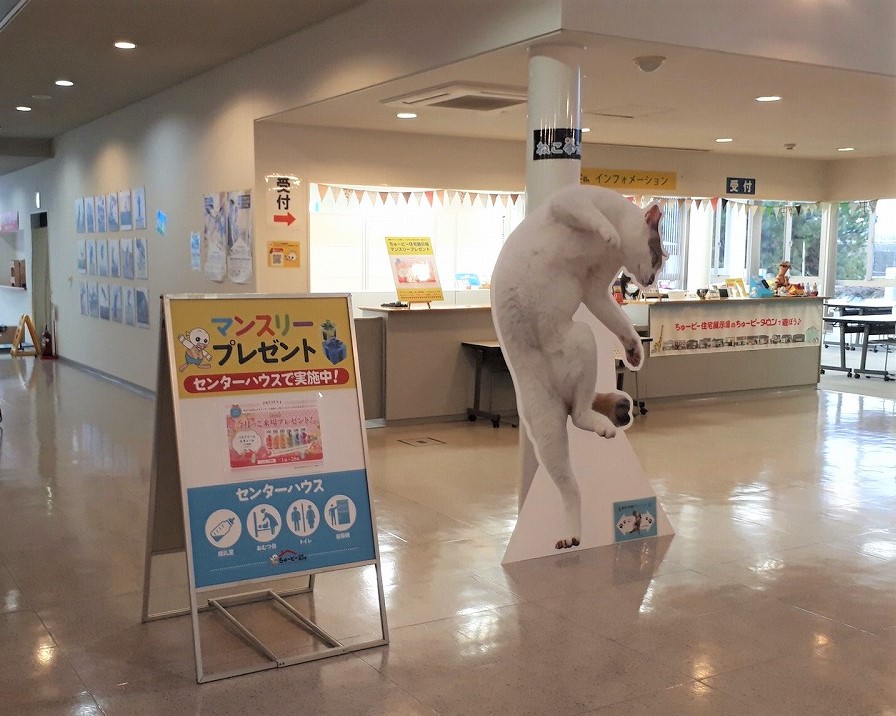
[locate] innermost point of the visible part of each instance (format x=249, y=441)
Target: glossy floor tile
x=775, y=595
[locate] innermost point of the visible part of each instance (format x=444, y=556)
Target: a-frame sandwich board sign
x=264, y=406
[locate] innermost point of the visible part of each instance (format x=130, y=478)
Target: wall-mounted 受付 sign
x=740, y=185
x=280, y=201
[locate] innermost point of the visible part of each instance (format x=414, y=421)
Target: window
x=349, y=226
x=790, y=232
x=866, y=249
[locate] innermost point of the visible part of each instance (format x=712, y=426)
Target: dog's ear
x=652, y=216
x=579, y=213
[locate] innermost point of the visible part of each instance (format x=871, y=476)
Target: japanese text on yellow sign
x=628, y=179
x=255, y=345
x=414, y=269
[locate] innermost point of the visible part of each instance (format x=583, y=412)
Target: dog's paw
x=622, y=414
x=616, y=406
x=605, y=429
x=634, y=353
x=567, y=543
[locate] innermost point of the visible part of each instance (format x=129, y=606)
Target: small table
x=867, y=325
x=485, y=351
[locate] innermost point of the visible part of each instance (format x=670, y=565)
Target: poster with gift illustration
x=274, y=432
x=269, y=434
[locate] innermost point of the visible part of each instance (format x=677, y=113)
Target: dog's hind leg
x=547, y=430
x=581, y=369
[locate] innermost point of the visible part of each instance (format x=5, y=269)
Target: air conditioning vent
x=473, y=98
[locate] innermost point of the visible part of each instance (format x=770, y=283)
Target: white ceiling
x=695, y=97
x=73, y=39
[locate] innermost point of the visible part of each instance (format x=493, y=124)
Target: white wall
x=854, y=179
x=200, y=137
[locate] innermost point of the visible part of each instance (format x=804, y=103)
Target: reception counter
x=716, y=346
x=427, y=373
x=696, y=348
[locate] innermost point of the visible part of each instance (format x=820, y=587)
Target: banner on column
x=269, y=436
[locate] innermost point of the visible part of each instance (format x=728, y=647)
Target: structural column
x=554, y=129
x=553, y=156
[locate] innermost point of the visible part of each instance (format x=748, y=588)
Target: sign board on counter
x=414, y=269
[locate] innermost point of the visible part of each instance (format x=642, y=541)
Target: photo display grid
x=123, y=259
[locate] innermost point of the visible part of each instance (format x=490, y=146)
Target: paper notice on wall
x=195, y=251
x=239, y=236
x=215, y=235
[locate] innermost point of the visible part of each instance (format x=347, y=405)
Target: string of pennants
x=738, y=207
x=333, y=195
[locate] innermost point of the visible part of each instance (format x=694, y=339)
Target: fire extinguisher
x=46, y=344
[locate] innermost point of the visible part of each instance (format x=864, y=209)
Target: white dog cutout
x=566, y=253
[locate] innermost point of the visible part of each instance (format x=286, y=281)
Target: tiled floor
x=777, y=593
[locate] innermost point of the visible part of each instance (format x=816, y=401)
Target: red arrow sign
x=286, y=218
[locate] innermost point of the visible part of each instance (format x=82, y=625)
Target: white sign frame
x=174, y=481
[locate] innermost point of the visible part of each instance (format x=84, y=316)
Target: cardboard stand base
x=609, y=478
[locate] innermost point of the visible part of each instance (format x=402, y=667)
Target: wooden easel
x=18, y=341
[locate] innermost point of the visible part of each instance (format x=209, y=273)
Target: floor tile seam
x=416, y=505
x=839, y=622
x=884, y=561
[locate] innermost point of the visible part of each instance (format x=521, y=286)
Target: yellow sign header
x=627, y=180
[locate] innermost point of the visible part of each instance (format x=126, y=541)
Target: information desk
x=717, y=346
x=428, y=373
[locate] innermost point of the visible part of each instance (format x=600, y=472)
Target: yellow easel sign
x=18, y=341
x=414, y=269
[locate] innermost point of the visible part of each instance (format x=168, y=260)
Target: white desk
x=868, y=325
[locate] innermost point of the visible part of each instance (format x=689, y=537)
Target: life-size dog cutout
x=565, y=253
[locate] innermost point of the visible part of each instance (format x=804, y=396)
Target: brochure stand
x=259, y=467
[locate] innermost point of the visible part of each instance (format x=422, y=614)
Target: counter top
x=422, y=308
x=694, y=301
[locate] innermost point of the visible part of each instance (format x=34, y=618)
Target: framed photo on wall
x=138, y=207
x=100, y=208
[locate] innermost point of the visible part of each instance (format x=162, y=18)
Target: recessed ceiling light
x=64, y=83
x=406, y=115
x=23, y=108
x=769, y=98
x=586, y=129
x=846, y=149
x=723, y=140
x=124, y=45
